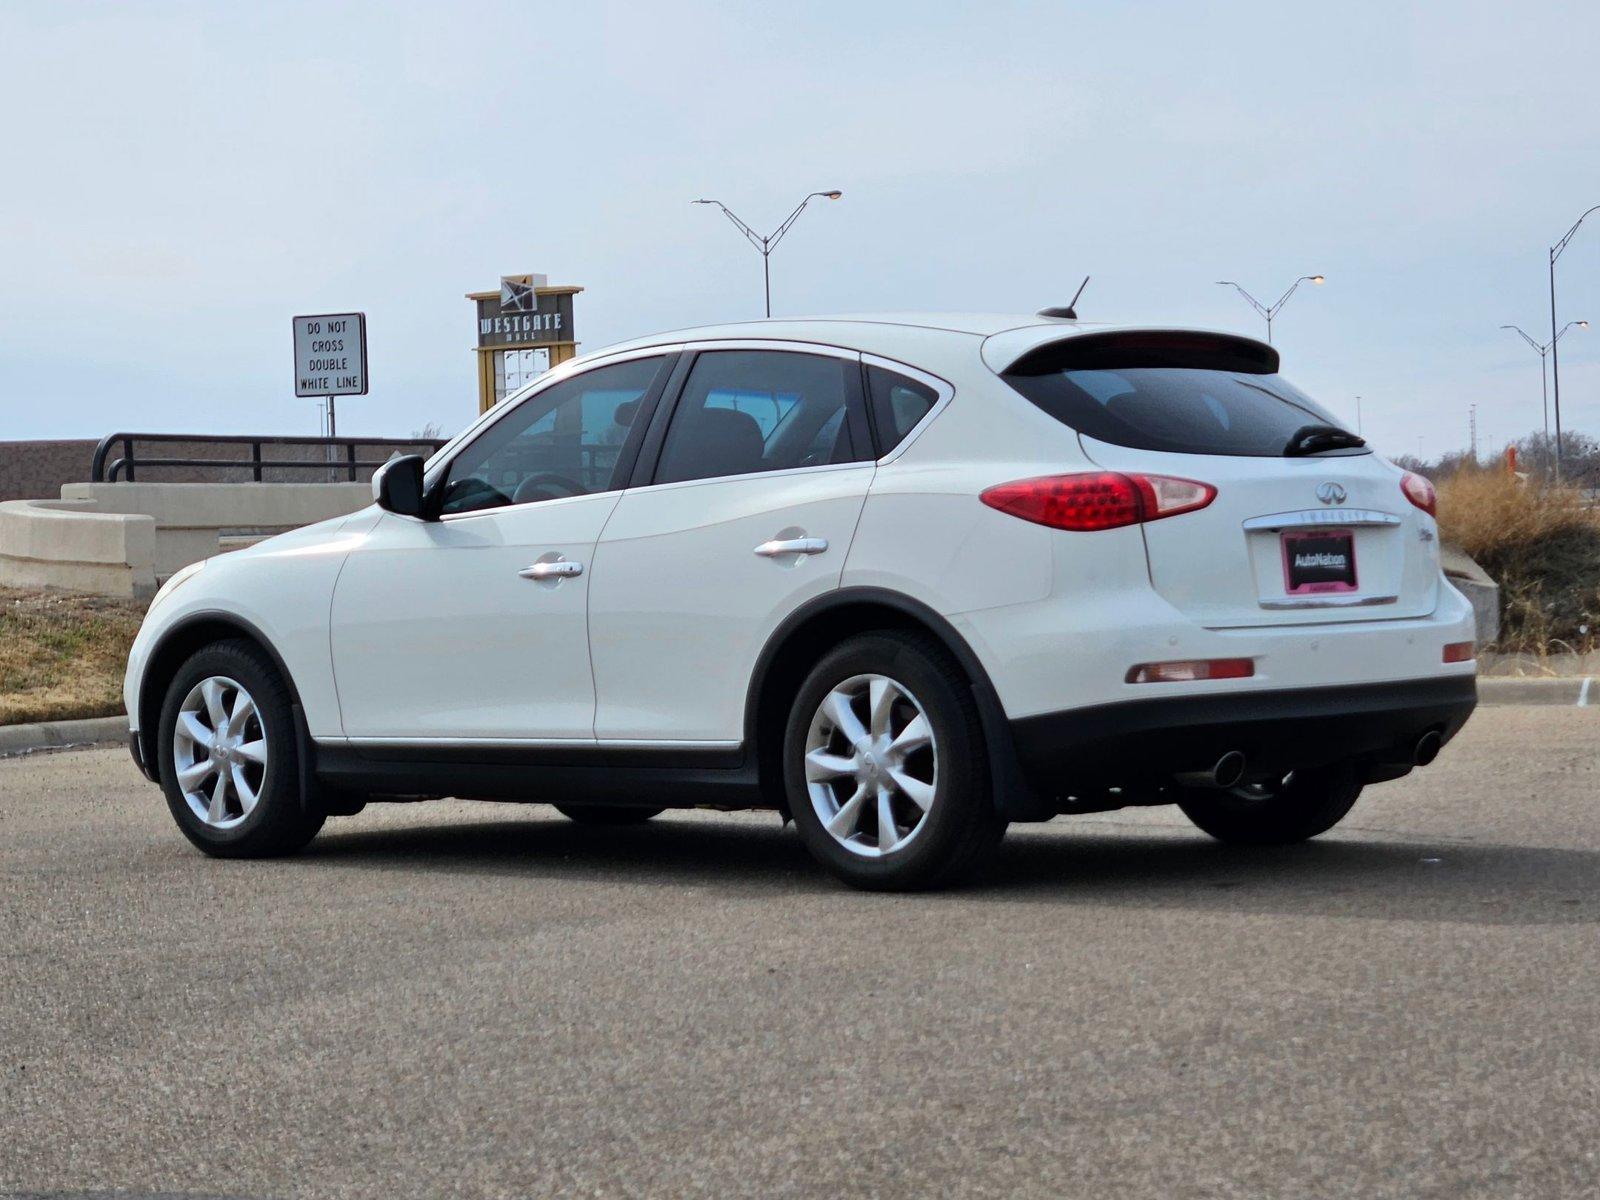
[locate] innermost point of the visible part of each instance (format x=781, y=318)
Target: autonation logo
x=1320, y=559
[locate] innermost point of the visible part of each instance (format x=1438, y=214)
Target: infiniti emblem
x=1331, y=492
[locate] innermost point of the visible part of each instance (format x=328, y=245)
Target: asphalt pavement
x=487, y=1000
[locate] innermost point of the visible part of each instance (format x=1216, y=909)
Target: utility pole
x=1472, y=430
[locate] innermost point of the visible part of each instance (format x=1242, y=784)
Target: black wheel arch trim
x=150, y=705
x=1015, y=799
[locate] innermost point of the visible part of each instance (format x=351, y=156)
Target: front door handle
x=802, y=545
x=560, y=569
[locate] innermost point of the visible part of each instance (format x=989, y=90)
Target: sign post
x=330, y=358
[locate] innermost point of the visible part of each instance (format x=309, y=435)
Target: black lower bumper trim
x=1147, y=741
x=136, y=748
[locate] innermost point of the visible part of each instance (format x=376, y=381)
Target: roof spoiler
x=1041, y=349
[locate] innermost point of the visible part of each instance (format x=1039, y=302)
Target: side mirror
x=397, y=486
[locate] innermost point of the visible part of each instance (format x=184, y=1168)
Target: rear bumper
x=1140, y=743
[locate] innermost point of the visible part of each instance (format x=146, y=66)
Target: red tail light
x=1457, y=652
x=1420, y=492
x=1098, y=500
x=1192, y=670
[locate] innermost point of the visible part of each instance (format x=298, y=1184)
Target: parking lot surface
x=487, y=1000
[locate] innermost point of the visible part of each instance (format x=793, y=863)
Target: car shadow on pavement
x=1356, y=874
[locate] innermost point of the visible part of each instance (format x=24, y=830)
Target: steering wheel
x=537, y=487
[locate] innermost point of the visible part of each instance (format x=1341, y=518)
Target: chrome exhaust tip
x=1427, y=748
x=1226, y=772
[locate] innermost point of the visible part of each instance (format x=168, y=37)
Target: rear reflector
x=1420, y=492
x=1192, y=670
x=1459, y=652
x=1098, y=500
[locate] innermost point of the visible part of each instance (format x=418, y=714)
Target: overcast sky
x=180, y=179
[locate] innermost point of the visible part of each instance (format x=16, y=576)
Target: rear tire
x=607, y=814
x=227, y=755
x=884, y=765
x=1306, y=804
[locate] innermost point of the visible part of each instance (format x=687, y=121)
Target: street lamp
x=1555, y=354
x=766, y=245
x=1269, y=311
x=1541, y=351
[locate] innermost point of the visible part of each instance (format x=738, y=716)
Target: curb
x=1570, y=692
x=56, y=735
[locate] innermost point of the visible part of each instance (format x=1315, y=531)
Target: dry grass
x=1541, y=545
x=62, y=655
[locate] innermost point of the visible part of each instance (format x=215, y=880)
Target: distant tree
x=428, y=433
x=1580, y=457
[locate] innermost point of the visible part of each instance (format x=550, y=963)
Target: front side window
x=563, y=441
x=747, y=411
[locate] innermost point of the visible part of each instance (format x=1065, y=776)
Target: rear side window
x=898, y=403
x=748, y=411
x=1151, y=401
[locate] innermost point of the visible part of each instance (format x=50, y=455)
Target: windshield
x=1185, y=410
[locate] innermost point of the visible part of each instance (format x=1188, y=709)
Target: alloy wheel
x=871, y=765
x=219, y=750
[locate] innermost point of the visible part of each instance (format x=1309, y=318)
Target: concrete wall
x=121, y=539
x=67, y=544
x=191, y=517
x=29, y=470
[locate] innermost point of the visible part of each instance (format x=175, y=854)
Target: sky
x=180, y=179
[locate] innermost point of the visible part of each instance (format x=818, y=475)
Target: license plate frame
x=1313, y=578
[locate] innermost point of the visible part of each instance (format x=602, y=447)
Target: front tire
x=227, y=755
x=1299, y=807
x=884, y=765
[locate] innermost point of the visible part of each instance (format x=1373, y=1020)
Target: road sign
x=330, y=355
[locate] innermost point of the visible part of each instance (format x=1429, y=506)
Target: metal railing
x=339, y=454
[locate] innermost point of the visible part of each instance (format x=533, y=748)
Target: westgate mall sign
x=330, y=355
x=533, y=318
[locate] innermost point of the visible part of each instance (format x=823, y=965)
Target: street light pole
x=1555, y=353
x=1270, y=311
x=1542, y=351
x=768, y=243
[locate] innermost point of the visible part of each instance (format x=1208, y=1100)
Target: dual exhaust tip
x=1228, y=771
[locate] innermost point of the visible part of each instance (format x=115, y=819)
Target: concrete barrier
x=1473, y=582
x=192, y=517
x=68, y=544
x=122, y=539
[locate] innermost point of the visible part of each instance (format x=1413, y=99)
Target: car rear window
x=1204, y=397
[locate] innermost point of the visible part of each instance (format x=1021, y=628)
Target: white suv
x=902, y=579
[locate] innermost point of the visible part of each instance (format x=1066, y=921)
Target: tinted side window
x=563, y=441
x=898, y=403
x=745, y=411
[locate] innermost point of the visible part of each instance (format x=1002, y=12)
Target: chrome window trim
x=570, y=370
x=943, y=389
x=447, y=518
x=781, y=346
x=439, y=464
x=863, y=464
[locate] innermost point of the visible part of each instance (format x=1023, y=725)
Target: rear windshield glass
x=1180, y=409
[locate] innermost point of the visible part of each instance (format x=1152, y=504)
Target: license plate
x=1323, y=561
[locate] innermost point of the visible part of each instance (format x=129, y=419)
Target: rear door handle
x=562, y=569
x=781, y=546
